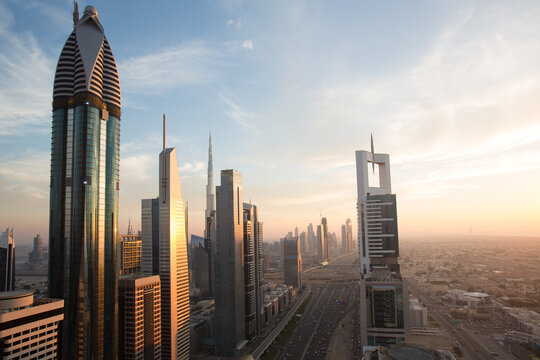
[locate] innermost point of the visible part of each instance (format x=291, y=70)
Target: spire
x=75, y=13
x=372, y=154
x=210, y=189
x=164, y=132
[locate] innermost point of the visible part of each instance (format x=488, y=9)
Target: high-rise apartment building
x=253, y=271
x=326, y=244
x=130, y=254
x=311, y=239
x=150, y=236
x=29, y=327
x=230, y=325
x=84, y=184
x=384, y=299
x=35, y=257
x=173, y=261
x=348, y=234
x=321, y=244
x=139, y=315
x=200, y=265
x=292, y=260
x=304, y=246
x=7, y=260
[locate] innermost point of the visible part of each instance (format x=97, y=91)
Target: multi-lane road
x=328, y=305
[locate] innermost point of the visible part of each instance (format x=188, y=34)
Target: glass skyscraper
x=83, y=217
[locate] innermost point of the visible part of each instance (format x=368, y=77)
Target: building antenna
x=164, y=132
x=75, y=13
x=372, y=154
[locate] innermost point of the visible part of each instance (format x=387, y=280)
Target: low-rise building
x=28, y=326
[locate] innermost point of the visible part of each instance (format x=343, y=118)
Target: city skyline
x=459, y=119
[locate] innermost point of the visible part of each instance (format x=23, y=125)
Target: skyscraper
x=83, y=217
x=139, y=308
x=130, y=254
x=384, y=300
x=326, y=244
x=7, y=260
x=344, y=238
x=173, y=261
x=150, y=236
x=229, y=270
x=200, y=262
x=210, y=221
x=311, y=239
x=348, y=235
x=292, y=260
x=35, y=257
x=253, y=271
x=321, y=244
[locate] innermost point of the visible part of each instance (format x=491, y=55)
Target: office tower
x=83, y=217
x=200, y=263
x=130, y=254
x=296, y=232
x=326, y=244
x=320, y=243
x=229, y=270
x=150, y=236
x=210, y=221
x=173, y=261
x=7, y=260
x=348, y=235
x=139, y=315
x=384, y=296
x=292, y=260
x=304, y=247
x=35, y=257
x=29, y=327
x=344, y=238
x=253, y=271
x=312, y=240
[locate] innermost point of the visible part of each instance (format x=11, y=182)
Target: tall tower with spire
x=173, y=261
x=84, y=184
x=210, y=223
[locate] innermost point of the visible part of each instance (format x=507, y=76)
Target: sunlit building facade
x=173, y=261
x=130, y=254
x=84, y=185
x=139, y=315
x=29, y=327
x=253, y=271
x=230, y=323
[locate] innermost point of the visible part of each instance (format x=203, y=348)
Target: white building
x=28, y=327
x=418, y=314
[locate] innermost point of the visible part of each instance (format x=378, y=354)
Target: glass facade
x=83, y=263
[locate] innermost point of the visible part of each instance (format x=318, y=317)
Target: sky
x=290, y=90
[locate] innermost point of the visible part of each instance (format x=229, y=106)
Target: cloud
x=237, y=113
x=191, y=167
x=18, y=175
x=247, y=44
x=168, y=68
x=236, y=23
x=26, y=76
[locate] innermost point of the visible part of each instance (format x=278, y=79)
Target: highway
x=327, y=307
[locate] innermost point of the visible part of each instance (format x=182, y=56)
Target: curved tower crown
x=87, y=66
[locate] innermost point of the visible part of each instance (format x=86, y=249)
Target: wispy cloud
x=237, y=112
x=168, y=68
x=247, y=44
x=26, y=77
x=18, y=174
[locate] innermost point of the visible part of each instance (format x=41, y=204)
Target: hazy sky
x=290, y=89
